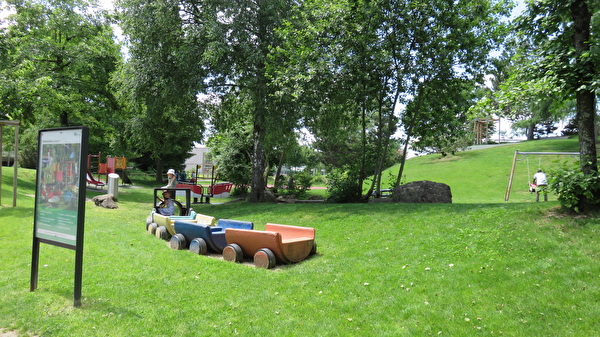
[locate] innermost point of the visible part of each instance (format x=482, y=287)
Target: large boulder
x=423, y=191
x=270, y=197
x=105, y=200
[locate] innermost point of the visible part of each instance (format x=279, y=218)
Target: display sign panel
x=58, y=203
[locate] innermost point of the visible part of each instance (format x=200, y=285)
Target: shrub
x=343, y=186
x=576, y=191
x=298, y=184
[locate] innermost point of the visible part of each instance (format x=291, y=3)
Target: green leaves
x=58, y=59
x=577, y=192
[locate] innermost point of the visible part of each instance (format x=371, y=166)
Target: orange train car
x=276, y=244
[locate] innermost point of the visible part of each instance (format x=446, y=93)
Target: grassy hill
x=479, y=266
x=481, y=176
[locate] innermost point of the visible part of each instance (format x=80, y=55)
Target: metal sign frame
x=60, y=197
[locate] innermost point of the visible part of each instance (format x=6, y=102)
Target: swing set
x=525, y=155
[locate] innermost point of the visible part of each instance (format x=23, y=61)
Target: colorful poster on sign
x=57, y=199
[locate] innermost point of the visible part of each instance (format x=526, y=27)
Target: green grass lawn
x=479, y=266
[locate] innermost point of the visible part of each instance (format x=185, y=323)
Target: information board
x=58, y=183
x=60, y=196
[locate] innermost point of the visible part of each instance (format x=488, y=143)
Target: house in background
x=200, y=162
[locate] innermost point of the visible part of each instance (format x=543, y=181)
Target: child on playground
x=167, y=206
x=539, y=179
x=171, y=179
x=540, y=182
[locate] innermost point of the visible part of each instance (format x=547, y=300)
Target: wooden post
x=510, y=178
x=15, y=165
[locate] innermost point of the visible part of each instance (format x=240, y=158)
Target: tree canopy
x=57, y=64
x=364, y=78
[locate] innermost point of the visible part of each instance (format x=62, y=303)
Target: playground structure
x=116, y=165
x=15, y=161
x=481, y=129
x=524, y=155
x=202, y=194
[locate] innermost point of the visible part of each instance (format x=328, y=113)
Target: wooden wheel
x=199, y=246
x=264, y=258
x=151, y=228
x=313, y=250
x=233, y=253
x=162, y=233
x=178, y=242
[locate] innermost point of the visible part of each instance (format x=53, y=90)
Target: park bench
x=196, y=191
x=200, y=237
x=220, y=190
x=277, y=243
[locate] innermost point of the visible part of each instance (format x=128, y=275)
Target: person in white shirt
x=541, y=182
x=171, y=179
x=540, y=178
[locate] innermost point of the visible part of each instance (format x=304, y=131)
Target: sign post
x=60, y=197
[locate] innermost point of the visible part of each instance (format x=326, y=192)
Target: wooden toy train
x=236, y=240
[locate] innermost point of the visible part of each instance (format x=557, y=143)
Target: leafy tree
x=474, y=29
x=59, y=57
x=522, y=97
x=350, y=64
x=444, y=126
x=333, y=51
x=569, y=60
x=158, y=85
x=208, y=47
x=231, y=152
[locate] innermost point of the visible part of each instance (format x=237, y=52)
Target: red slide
x=90, y=180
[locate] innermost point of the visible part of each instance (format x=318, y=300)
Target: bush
x=576, y=192
x=298, y=184
x=343, y=187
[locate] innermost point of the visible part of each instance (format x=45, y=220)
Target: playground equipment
x=164, y=224
x=89, y=178
x=15, y=162
x=525, y=155
x=182, y=210
x=116, y=165
x=200, y=238
x=277, y=243
x=199, y=192
x=202, y=194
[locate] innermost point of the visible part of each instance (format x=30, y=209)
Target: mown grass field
x=479, y=266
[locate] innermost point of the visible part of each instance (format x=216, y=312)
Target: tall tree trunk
x=159, y=170
x=402, y=161
x=530, y=129
x=258, y=160
x=64, y=118
x=586, y=105
x=258, y=188
x=278, y=172
x=363, y=158
x=383, y=143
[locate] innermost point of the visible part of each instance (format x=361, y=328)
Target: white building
x=200, y=160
